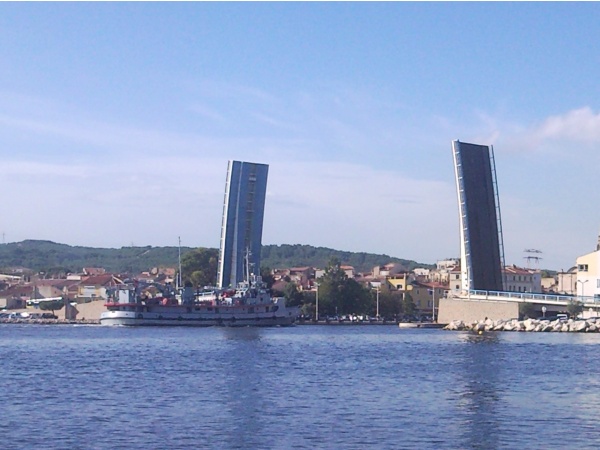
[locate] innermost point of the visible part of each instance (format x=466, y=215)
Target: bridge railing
x=529, y=296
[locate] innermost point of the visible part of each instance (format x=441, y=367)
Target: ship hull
x=185, y=319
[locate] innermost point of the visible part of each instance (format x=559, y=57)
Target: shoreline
x=25, y=321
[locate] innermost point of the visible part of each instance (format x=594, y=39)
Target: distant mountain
x=280, y=256
x=47, y=256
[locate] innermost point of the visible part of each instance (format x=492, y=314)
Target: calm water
x=303, y=387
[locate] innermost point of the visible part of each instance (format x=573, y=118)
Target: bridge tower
x=242, y=224
x=481, y=242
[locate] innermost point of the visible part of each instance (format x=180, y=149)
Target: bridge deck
x=527, y=297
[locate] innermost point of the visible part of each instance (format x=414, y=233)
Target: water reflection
x=485, y=337
x=481, y=388
x=245, y=378
x=242, y=333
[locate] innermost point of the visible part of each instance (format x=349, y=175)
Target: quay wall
x=83, y=312
x=451, y=309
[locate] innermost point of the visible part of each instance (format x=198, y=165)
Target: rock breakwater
x=573, y=326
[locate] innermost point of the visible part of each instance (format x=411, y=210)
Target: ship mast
x=247, y=264
x=179, y=276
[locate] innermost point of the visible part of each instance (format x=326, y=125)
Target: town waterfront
x=300, y=387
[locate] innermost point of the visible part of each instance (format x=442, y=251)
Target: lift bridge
x=482, y=246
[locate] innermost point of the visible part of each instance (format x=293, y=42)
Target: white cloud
x=554, y=135
x=341, y=176
x=579, y=125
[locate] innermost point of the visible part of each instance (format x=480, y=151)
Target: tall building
x=241, y=229
x=482, y=250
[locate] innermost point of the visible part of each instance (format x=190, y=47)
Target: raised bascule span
x=483, y=290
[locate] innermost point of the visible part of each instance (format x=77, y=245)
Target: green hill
x=50, y=257
x=280, y=256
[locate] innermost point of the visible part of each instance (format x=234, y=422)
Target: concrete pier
x=456, y=308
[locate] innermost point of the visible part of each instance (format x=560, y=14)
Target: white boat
x=248, y=305
x=421, y=325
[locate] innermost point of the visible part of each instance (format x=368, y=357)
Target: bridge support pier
x=474, y=310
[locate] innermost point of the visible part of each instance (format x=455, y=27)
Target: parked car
x=49, y=316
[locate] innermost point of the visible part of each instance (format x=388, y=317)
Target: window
x=582, y=267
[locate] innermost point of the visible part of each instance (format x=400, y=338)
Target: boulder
x=455, y=325
x=509, y=326
x=499, y=325
x=530, y=325
x=477, y=327
x=578, y=326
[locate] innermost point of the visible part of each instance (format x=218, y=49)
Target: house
x=518, y=279
x=96, y=287
x=549, y=284
x=566, y=282
x=400, y=281
x=93, y=271
x=302, y=276
x=51, y=288
x=424, y=295
x=455, y=280
x=588, y=274
x=349, y=270
x=388, y=270
x=421, y=272
x=10, y=279
x=16, y=297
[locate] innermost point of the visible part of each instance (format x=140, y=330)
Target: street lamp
x=317, y=305
x=582, y=286
x=433, y=303
x=377, y=310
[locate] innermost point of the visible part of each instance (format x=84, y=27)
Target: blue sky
x=117, y=121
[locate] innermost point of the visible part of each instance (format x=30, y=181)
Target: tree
x=408, y=306
x=52, y=305
x=339, y=294
x=267, y=276
x=199, y=267
x=574, y=308
x=390, y=302
x=292, y=294
x=309, y=300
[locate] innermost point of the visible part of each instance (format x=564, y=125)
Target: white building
x=588, y=274
x=518, y=279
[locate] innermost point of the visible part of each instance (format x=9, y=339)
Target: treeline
x=284, y=256
x=339, y=295
x=53, y=258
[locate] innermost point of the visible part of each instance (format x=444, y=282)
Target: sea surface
x=305, y=387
